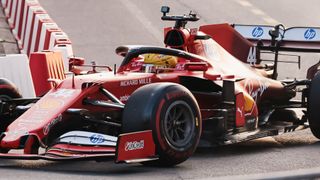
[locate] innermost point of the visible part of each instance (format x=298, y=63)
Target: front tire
x=314, y=106
x=173, y=115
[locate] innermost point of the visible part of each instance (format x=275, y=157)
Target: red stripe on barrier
x=40, y=19
x=31, y=10
x=48, y=37
x=18, y=19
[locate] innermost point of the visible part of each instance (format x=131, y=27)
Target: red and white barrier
x=7, y=10
x=13, y=12
x=66, y=52
x=35, y=31
x=58, y=38
x=15, y=67
x=32, y=27
x=4, y=3
x=28, y=32
x=40, y=19
x=21, y=19
x=47, y=29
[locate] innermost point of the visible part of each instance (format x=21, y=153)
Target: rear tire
x=314, y=106
x=8, y=90
x=173, y=115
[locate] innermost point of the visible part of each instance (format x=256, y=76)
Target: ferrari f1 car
x=208, y=86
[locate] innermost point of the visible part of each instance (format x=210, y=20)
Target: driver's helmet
x=161, y=60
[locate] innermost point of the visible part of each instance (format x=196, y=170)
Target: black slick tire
x=172, y=113
x=314, y=106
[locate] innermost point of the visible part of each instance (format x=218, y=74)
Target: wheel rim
x=178, y=124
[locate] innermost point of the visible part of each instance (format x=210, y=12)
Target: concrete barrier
x=15, y=67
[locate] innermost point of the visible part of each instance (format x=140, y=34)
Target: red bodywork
x=218, y=60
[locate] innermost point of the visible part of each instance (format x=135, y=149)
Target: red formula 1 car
x=208, y=85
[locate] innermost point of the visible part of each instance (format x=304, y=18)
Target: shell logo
x=249, y=105
x=249, y=102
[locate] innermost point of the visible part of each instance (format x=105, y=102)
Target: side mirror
x=275, y=33
x=165, y=10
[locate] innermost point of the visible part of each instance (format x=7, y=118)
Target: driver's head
x=161, y=60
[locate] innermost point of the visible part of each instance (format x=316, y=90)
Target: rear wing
x=278, y=38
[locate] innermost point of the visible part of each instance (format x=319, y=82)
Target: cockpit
x=158, y=60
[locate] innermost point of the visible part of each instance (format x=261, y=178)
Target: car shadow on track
x=92, y=168
x=260, y=145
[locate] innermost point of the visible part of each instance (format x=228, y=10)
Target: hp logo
x=257, y=32
x=96, y=139
x=309, y=34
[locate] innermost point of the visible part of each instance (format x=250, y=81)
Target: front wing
x=80, y=145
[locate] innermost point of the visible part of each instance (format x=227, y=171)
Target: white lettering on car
x=258, y=92
x=135, y=145
x=52, y=123
x=65, y=93
x=124, y=97
x=135, y=82
x=252, y=59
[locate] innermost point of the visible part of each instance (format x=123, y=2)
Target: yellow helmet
x=161, y=60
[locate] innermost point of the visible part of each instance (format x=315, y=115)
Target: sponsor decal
x=124, y=97
x=97, y=139
x=175, y=95
x=210, y=52
x=193, y=31
x=41, y=111
x=50, y=104
x=240, y=110
x=257, y=32
x=256, y=93
x=310, y=34
x=252, y=59
x=255, y=88
x=64, y=93
x=136, y=63
x=251, y=121
x=20, y=131
x=180, y=67
x=135, y=145
x=135, y=82
x=240, y=116
x=55, y=121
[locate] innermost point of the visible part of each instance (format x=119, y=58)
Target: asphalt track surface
x=97, y=27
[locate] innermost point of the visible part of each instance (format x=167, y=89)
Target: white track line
x=257, y=11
